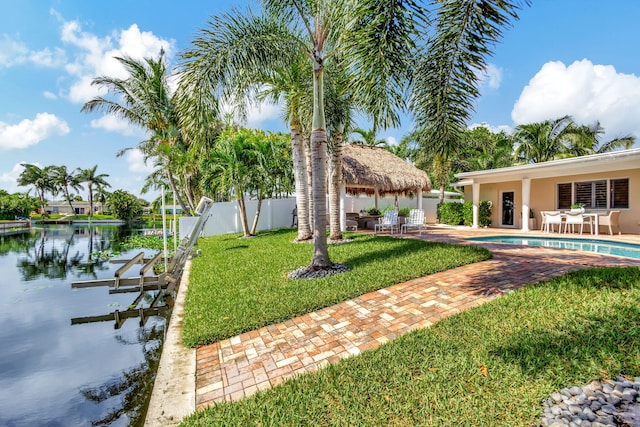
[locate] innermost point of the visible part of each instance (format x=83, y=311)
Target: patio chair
x=551, y=218
x=415, y=220
x=610, y=221
x=388, y=221
x=572, y=219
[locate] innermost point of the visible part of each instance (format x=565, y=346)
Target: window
x=602, y=194
x=593, y=194
x=564, y=196
x=619, y=193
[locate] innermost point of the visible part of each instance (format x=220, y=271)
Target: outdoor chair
x=388, y=221
x=610, y=221
x=551, y=218
x=572, y=219
x=415, y=220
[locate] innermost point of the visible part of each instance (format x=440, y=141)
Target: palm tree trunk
x=172, y=184
x=243, y=215
x=90, y=199
x=334, y=185
x=66, y=193
x=319, y=187
x=254, y=226
x=309, y=186
x=301, y=183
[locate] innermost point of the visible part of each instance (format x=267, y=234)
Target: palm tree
x=146, y=101
x=447, y=74
x=369, y=137
x=94, y=181
x=228, y=169
x=543, y=141
x=65, y=179
x=373, y=38
x=42, y=180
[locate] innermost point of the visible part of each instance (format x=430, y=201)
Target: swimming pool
x=604, y=247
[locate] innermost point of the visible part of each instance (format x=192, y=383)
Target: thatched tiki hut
x=376, y=171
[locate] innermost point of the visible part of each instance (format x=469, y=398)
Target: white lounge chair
x=415, y=220
x=388, y=221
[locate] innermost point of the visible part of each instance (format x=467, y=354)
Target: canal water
x=53, y=372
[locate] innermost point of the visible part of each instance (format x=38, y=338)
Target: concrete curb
x=174, y=396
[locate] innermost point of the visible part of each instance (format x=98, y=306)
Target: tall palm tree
x=65, y=180
x=146, y=100
x=42, y=180
x=94, y=180
x=374, y=38
x=542, y=141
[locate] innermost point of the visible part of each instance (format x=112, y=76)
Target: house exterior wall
x=544, y=196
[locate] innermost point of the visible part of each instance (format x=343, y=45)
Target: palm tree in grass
x=42, y=180
x=65, y=180
x=94, y=181
x=375, y=40
x=446, y=81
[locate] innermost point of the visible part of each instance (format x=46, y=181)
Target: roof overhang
x=595, y=163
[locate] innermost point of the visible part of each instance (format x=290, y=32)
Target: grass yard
x=238, y=285
x=488, y=366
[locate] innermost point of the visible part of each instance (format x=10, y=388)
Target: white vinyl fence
x=224, y=217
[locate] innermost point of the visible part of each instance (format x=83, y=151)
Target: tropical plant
x=371, y=38
x=244, y=161
x=64, y=180
x=94, y=181
x=448, y=72
x=125, y=205
x=42, y=180
x=369, y=137
x=146, y=100
x=16, y=205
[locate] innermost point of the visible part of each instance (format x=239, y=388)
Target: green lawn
x=238, y=285
x=488, y=366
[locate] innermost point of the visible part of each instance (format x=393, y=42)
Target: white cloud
x=49, y=95
x=135, y=160
x=391, y=140
x=491, y=76
x=257, y=115
x=494, y=129
x=30, y=132
x=14, y=52
x=95, y=55
x=9, y=179
x=586, y=91
x=111, y=123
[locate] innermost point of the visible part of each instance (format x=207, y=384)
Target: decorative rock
x=311, y=273
x=598, y=404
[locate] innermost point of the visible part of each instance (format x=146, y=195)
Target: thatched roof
x=366, y=168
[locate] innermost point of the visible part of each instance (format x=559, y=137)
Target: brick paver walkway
x=256, y=360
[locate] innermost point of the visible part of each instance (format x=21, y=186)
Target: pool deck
x=239, y=366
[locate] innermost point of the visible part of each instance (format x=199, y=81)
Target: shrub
x=484, y=213
x=373, y=211
x=450, y=213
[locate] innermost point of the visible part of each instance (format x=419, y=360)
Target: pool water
x=604, y=247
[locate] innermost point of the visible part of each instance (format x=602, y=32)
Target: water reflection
x=132, y=387
x=53, y=373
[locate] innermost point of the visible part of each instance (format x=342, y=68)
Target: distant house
x=600, y=182
x=79, y=208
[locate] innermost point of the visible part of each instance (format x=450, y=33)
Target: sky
x=575, y=57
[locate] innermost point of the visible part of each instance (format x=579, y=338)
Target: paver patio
x=238, y=367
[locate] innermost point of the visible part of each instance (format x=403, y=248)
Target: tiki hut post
x=419, y=198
